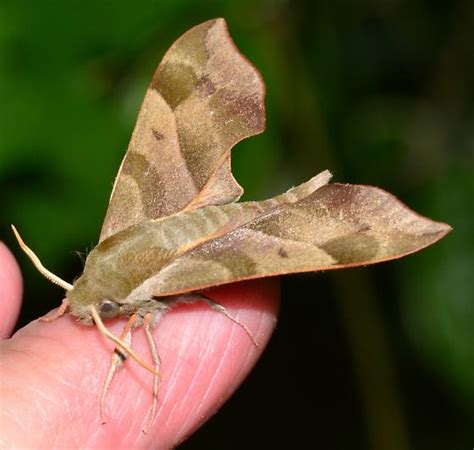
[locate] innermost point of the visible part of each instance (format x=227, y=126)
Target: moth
x=174, y=228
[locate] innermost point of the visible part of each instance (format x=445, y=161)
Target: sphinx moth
x=174, y=228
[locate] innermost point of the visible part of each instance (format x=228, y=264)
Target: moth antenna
x=123, y=346
x=118, y=358
x=37, y=263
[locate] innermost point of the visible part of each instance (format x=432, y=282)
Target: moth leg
x=58, y=313
x=219, y=308
x=148, y=326
x=118, y=358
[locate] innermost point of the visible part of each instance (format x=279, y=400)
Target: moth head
x=81, y=300
x=108, y=309
x=87, y=293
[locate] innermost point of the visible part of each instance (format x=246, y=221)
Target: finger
x=57, y=375
x=10, y=291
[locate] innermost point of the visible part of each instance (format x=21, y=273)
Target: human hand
x=51, y=374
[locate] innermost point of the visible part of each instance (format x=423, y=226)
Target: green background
x=379, y=92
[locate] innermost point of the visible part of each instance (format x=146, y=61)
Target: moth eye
x=108, y=309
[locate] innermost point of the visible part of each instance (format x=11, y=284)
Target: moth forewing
x=119, y=267
x=205, y=96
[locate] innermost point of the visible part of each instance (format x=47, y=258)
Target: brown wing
x=334, y=227
x=203, y=99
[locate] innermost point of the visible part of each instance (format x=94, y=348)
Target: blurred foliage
x=380, y=92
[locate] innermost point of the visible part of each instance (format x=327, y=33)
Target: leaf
x=204, y=98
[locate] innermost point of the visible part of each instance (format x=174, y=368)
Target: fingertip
x=11, y=287
x=206, y=356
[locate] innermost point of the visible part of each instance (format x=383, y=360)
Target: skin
x=51, y=374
